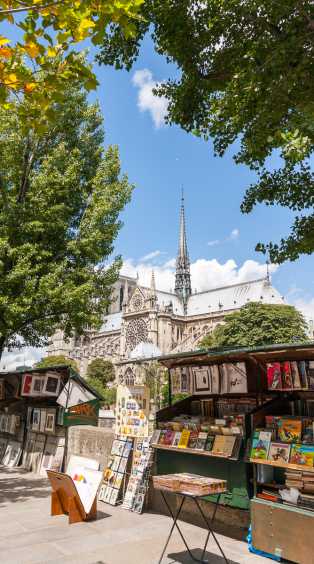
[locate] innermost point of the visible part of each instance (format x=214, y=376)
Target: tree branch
x=28, y=8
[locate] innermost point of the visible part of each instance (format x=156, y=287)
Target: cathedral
x=146, y=322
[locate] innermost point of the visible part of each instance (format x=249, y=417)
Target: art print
x=202, y=379
x=36, y=419
x=37, y=385
x=43, y=416
x=3, y=446
x=12, y=454
x=27, y=385
x=50, y=422
x=51, y=384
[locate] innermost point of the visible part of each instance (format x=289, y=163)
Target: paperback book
x=279, y=452
x=290, y=430
x=302, y=454
x=184, y=440
x=260, y=449
x=201, y=441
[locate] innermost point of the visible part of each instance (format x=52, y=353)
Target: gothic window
x=136, y=333
x=137, y=301
x=121, y=298
x=129, y=378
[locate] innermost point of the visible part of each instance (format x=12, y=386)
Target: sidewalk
x=28, y=535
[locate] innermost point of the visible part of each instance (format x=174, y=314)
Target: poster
x=82, y=414
x=87, y=483
x=132, y=411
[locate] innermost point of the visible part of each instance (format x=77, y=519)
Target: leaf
x=4, y=40
x=29, y=87
x=32, y=49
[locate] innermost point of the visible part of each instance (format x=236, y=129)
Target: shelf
x=192, y=451
x=276, y=464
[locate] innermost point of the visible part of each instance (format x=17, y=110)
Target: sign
x=82, y=414
x=132, y=411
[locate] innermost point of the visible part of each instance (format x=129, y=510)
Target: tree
x=57, y=360
x=60, y=198
x=101, y=370
x=257, y=324
x=43, y=61
x=246, y=75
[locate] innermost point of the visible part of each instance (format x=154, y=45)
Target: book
x=155, y=437
x=162, y=437
x=279, y=452
x=176, y=438
x=193, y=439
x=223, y=445
x=201, y=441
x=295, y=374
x=274, y=381
x=303, y=374
x=260, y=449
x=286, y=376
x=302, y=454
x=289, y=430
x=184, y=440
x=209, y=443
x=310, y=374
x=168, y=438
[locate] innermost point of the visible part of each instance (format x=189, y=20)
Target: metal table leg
x=209, y=528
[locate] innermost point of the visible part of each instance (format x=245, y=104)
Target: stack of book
x=303, y=481
x=190, y=484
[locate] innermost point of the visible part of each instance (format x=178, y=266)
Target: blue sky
x=159, y=160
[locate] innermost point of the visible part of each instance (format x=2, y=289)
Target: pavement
x=29, y=535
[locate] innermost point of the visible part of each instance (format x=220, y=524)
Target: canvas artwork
x=3, y=446
x=52, y=384
x=27, y=385
x=202, y=381
x=42, y=424
x=37, y=385
x=12, y=454
x=50, y=421
x=36, y=419
x=2, y=389
x=279, y=452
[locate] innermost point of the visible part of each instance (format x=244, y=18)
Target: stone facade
x=164, y=321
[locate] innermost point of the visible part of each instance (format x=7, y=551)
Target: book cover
x=209, y=443
x=279, y=452
x=296, y=379
x=155, y=437
x=286, y=376
x=184, y=440
x=237, y=378
x=302, y=454
x=310, y=374
x=162, y=437
x=168, y=438
x=274, y=381
x=303, y=374
x=290, y=430
x=223, y=445
x=193, y=439
x=260, y=449
x=176, y=438
x=201, y=441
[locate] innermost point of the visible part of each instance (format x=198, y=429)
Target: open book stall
x=250, y=421
x=32, y=407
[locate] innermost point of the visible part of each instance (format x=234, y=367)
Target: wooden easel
x=66, y=500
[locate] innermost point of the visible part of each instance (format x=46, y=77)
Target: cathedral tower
x=183, y=277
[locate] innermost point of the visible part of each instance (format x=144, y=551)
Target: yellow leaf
x=4, y=40
x=29, y=87
x=5, y=52
x=51, y=52
x=11, y=80
x=31, y=49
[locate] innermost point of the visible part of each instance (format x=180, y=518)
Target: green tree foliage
x=175, y=397
x=61, y=195
x=101, y=370
x=257, y=324
x=57, y=360
x=246, y=74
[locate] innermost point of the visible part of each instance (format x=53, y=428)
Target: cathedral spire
x=152, y=283
x=183, y=277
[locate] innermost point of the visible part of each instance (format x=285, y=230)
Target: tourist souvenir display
x=132, y=411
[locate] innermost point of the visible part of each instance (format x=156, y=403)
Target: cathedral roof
x=112, y=322
x=233, y=297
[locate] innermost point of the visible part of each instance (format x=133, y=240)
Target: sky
x=159, y=160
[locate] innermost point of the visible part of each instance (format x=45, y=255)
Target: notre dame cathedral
x=147, y=322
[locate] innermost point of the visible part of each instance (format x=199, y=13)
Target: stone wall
x=92, y=442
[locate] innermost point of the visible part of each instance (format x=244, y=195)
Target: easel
x=66, y=500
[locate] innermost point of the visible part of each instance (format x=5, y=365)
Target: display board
x=132, y=411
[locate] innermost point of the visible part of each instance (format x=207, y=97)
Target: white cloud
x=213, y=243
x=152, y=255
x=233, y=235
x=26, y=356
x=146, y=100
x=205, y=274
